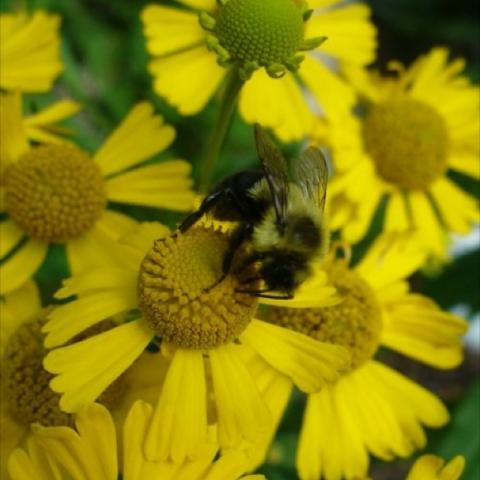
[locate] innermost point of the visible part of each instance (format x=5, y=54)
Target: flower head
x=266, y=43
x=92, y=448
x=338, y=433
x=169, y=284
x=58, y=193
x=29, y=51
x=403, y=145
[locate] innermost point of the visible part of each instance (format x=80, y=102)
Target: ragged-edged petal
x=310, y=364
x=179, y=424
x=166, y=185
x=140, y=136
x=86, y=368
x=70, y=319
x=242, y=414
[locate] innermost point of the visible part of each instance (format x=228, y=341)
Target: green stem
x=220, y=127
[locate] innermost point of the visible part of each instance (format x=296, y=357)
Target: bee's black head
x=282, y=271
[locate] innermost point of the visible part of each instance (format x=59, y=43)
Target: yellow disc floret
x=408, y=142
x=354, y=323
x=25, y=382
x=252, y=34
x=54, y=192
x=179, y=295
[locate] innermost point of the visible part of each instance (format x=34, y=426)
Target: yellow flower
x=91, y=451
x=371, y=409
x=57, y=193
x=29, y=51
x=403, y=147
x=166, y=281
x=430, y=467
x=187, y=74
x=25, y=394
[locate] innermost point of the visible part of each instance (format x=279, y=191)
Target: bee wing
x=310, y=173
x=275, y=169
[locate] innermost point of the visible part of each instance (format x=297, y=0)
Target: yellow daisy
x=198, y=44
x=165, y=282
x=29, y=51
x=91, y=451
x=25, y=394
x=431, y=467
x=371, y=409
x=415, y=128
x=57, y=193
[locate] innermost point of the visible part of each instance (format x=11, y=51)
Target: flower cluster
x=188, y=340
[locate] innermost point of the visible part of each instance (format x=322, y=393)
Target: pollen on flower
x=176, y=295
x=54, y=192
x=354, y=323
x=25, y=383
x=408, y=142
x=253, y=34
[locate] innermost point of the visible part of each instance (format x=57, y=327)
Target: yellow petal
x=179, y=424
x=458, y=210
x=333, y=94
x=98, y=246
x=70, y=319
x=173, y=78
x=276, y=103
x=140, y=136
x=32, y=466
x=18, y=307
x=466, y=163
x=396, y=216
x=22, y=265
x=12, y=131
x=310, y=364
x=230, y=466
x=85, y=369
x=170, y=29
x=241, y=412
x=351, y=37
x=430, y=467
x=30, y=51
x=418, y=328
x=10, y=235
x=166, y=185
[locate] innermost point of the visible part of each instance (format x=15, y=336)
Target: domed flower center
x=254, y=34
x=408, y=141
x=54, y=192
x=25, y=383
x=354, y=323
x=179, y=297
x=263, y=32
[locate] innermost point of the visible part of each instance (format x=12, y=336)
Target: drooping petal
x=433, y=468
x=310, y=364
x=173, y=78
x=166, y=185
x=141, y=135
x=22, y=265
x=351, y=37
x=169, y=30
x=276, y=103
x=86, y=368
x=331, y=444
x=242, y=414
x=179, y=424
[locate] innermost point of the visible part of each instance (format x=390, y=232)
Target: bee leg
x=208, y=203
x=262, y=294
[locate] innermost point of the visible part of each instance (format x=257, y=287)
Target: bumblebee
x=280, y=218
